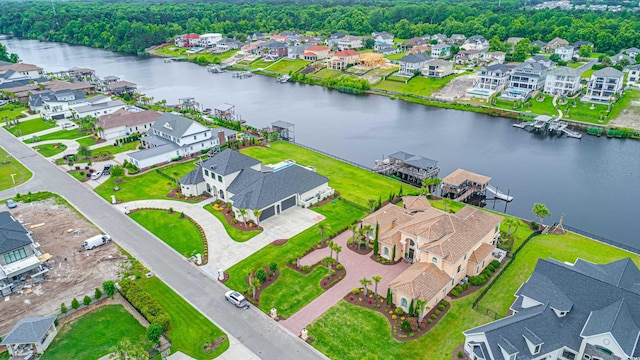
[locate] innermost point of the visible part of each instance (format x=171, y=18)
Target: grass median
x=234, y=234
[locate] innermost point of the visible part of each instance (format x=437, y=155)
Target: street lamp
x=13, y=178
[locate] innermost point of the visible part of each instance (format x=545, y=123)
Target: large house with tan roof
x=124, y=123
x=443, y=247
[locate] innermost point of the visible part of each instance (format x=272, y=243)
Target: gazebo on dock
x=285, y=129
x=225, y=111
x=409, y=168
x=461, y=184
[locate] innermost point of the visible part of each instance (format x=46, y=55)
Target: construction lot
x=73, y=272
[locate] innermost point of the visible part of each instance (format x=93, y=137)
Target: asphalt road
x=252, y=328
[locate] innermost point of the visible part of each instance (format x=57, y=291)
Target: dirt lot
x=457, y=88
x=74, y=272
x=629, y=118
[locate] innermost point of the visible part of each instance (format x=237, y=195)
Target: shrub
x=355, y=291
x=399, y=311
x=87, y=300
x=306, y=268
x=441, y=307
x=460, y=354
x=405, y=326
x=491, y=268
x=154, y=331
x=147, y=305
x=339, y=266
x=436, y=313
x=434, y=316
x=394, y=316
x=63, y=308
x=429, y=321
x=455, y=292
x=486, y=272
x=465, y=286
x=261, y=274
x=534, y=226
x=495, y=263
x=109, y=287
x=182, y=215
x=75, y=304
x=97, y=294
x=273, y=267
x=478, y=280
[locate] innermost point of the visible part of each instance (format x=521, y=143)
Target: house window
x=512, y=357
x=537, y=349
x=604, y=349
x=568, y=355
x=219, y=178
x=434, y=260
x=403, y=303
x=385, y=251
x=465, y=257
x=14, y=256
x=459, y=267
x=194, y=137
x=206, y=173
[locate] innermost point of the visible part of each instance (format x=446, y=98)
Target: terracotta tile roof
x=386, y=215
x=309, y=54
x=318, y=48
x=191, y=36
x=481, y=252
x=347, y=53
x=460, y=175
x=119, y=84
x=416, y=203
x=421, y=280
x=391, y=237
x=20, y=67
x=126, y=118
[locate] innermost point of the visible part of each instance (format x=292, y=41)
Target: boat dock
x=544, y=124
x=242, y=74
x=216, y=69
x=466, y=186
x=284, y=78
x=408, y=168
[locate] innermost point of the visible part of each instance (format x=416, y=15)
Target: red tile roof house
x=342, y=59
x=124, y=123
x=316, y=52
x=187, y=40
x=443, y=247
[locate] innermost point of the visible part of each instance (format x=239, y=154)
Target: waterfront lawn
x=181, y=52
x=29, y=127
x=179, y=233
x=9, y=165
x=567, y=247
x=60, y=135
x=115, y=149
x=418, y=85
x=628, y=101
x=149, y=185
x=189, y=330
x=50, y=149
x=544, y=107
x=292, y=291
x=324, y=72
x=583, y=112
x=284, y=66
x=352, y=182
x=94, y=335
x=348, y=331
x=260, y=64
x=235, y=234
x=338, y=216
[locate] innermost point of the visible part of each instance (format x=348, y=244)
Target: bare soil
x=73, y=271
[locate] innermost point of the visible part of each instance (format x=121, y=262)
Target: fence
x=336, y=157
x=602, y=239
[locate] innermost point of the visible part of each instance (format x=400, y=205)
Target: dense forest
x=132, y=27
x=5, y=56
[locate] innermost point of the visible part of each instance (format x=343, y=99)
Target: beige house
x=342, y=59
x=443, y=247
x=437, y=68
x=316, y=52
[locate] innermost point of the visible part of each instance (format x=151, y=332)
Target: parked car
x=68, y=125
x=236, y=299
x=107, y=169
x=94, y=242
x=96, y=175
x=11, y=204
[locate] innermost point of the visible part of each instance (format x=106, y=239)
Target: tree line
x=132, y=27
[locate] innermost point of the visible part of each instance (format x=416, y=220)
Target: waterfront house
x=18, y=254
x=209, y=40
x=56, y=105
x=124, y=123
x=371, y=60
x=633, y=79
x=437, y=68
x=411, y=63
x=383, y=37
x=227, y=44
x=187, y=40
x=525, y=78
x=119, y=88
x=475, y=42
x=440, y=50
x=554, y=44
x=296, y=51
x=489, y=80
x=343, y=59
x=31, y=72
x=443, y=248
x=274, y=50
x=316, y=52
x=567, y=311
x=30, y=336
x=565, y=52
x=562, y=81
x=350, y=42
x=247, y=184
x=604, y=84
x=97, y=106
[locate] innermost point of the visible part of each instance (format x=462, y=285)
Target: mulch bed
x=270, y=280
x=380, y=305
x=360, y=250
x=176, y=194
x=279, y=242
x=386, y=262
x=457, y=351
x=211, y=347
x=228, y=216
x=325, y=284
x=325, y=201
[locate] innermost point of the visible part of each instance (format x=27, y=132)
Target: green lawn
x=284, y=66
x=50, y=149
x=8, y=166
x=260, y=64
x=324, y=72
x=341, y=175
x=61, y=135
x=94, y=334
x=292, y=291
x=564, y=248
x=29, y=127
x=338, y=216
x=181, y=52
x=395, y=57
x=583, y=112
x=12, y=111
x=87, y=141
x=587, y=74
x=574, y=64
x=235, y=234
x=628, y=101
x=149, y=185
x=418, y=85
x=190, y=330
x=115, y=149
x=179, y=233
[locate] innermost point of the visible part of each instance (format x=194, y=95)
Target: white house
x=440, y=50
x=633, y=79
x=351, y=42
x=124, y=123
x=562, y=81
x=437, y=68
x=566, y=311
x=565, y=52
x=411, y=63
x=209, y=40
x=383, y=37
x=475, y=42
x=97, y=106
x=56, y=105
x=30, y=336
x=173, y=136
x=525, y=78
x=29, y=71
x=604, y=84
x=490, y=79
x=247, y=184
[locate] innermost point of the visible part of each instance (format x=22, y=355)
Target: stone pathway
x=357, y=266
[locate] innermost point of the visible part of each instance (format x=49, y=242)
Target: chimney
x=221, y=138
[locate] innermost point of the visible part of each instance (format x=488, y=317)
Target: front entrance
x=411, y=254
x=221, y=194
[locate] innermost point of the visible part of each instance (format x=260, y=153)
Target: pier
x=544, y=124
x=408, y=168
x=242, y=74
x=466, y=186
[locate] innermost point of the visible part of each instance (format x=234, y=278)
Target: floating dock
x=242, y=74
x=545, y=124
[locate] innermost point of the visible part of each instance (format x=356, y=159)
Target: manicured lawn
x=12, y=166
x=324, y=72
x=190, y=330
x=292, y=291
x=395, y=57
x=418, y=85
x=563, y=248
x=179, y=233
x=94, y=334
x=50, y=149
x=150, y=185
x=29, y=127
x=235, y=234
x=259, y=64
x=583, y=112
x=87, y=141
x=587, y=74
x=115, y=149
x=341, y=175
x=79, y=175
x=12, y=111
x=338, y=216
x=284, y=66
x=181, y=52
x=544, y=107
x=575, y=64
x=61, y=135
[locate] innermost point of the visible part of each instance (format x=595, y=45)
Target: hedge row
x=145, y=303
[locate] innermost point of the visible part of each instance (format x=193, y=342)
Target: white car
x=236, y=299
x=96, y=175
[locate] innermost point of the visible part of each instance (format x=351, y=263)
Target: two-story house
x=525, y=78
x=469, y=56
x=264, y=191
x=475, y=42
x=409, y=44
x=97, y=106
x=579, y=311
x=31, y=72
x=633, y=79
x=173, y=136
x=274, y=50
x=604, y=84
x=124, y=123
x=56, y=105
x=490, y=79
x=443, y=247
x=343, y=59
x=554, y=44
x=18, y=253
x=209, y=40
x=350, y=42
x=411, y=63
x=565, y=52
x=436, y=68
x=187, y=40
x=562, y=81
x=440, y=50
x=316, y=52
x=383, y=37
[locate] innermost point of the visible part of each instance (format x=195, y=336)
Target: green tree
x=365, y=283
x=421, y=308
x=243, y=213
x=411, y=309
x=376, y=279
x=86, y=300
x=63, y=308
x=125, y=350
x=585, y=51
x=255, y=284
x=366, y=231
x=75, y=304
x=338, y=250
x=84, y=152
x=511, y=222
x=323, y=227
x=256, y=215
x=389, y=297
x=154, y=332
x=109, y=288
x=554, y=57
x=376, y=249
x=354, y=229
x=117, y=171
x=372, y=204
x=369, y=43
x=540, y=211
x=97, y=294
x=521, y=50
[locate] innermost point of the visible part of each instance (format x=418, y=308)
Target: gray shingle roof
x=194, y=177
x=29, y=330
x=415, y=58
x=565, y=71
x=415, y=160
x=12, y=234
x=615, y=319
x=154, y=151
x=100, y=106
x=499, y=68
x=175, y=125
x=51, y=96
x=229, y=161
x=532, y=337
x=608, y=72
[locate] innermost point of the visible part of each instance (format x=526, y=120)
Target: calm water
x=593, y=181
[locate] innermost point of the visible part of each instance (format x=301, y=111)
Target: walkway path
x=357, y=266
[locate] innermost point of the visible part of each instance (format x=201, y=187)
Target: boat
x=216, y=69
x=284, y=78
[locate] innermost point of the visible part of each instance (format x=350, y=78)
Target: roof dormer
x=167, y=126
x=534, y=343
x=509, y=352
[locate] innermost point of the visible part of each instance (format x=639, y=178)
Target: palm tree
x=367, y=231
x=170, y=183
x=84, y=152
x=376, y=280
x=256, y=214
x=338, y=250
x=255, y=284
x=541, y=212
x=125, y=350
x=331, y=243
x=509, y=222
x=323, y=227
x=243, y=213
x=372, y=204
x=175, y=176
x=422, y=310
x=353, y=228
x=365, y=282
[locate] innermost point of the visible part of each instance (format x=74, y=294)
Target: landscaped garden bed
x=176, y=193
x=260, y=280
x=239, y=231
x=380, y=260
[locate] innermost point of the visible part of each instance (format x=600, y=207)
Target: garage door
x=58, y=117
x=289, y=203
x=267, y=213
